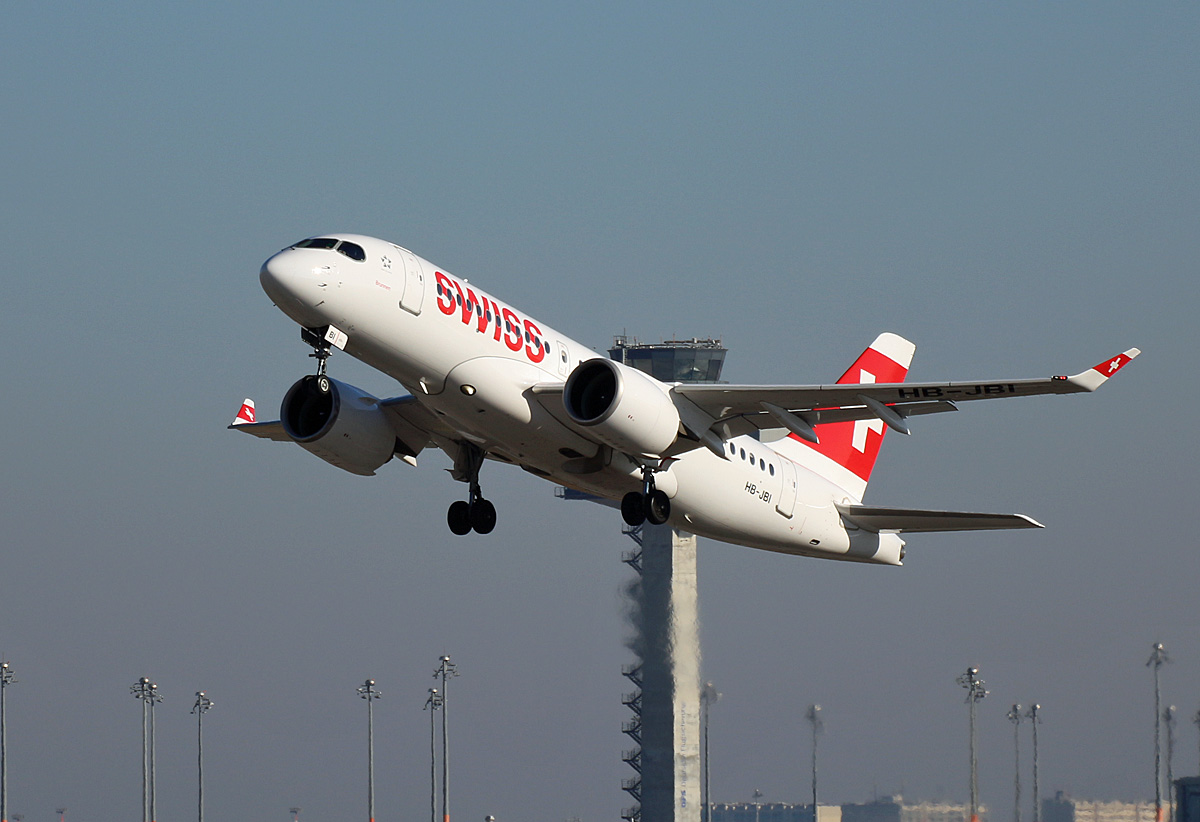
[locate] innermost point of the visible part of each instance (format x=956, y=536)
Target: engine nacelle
x=344, y=426
x=622, y=406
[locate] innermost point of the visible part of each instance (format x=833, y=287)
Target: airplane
x=782, y=468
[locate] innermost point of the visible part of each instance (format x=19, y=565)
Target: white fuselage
x=436, y=333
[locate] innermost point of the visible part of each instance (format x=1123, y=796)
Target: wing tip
x=245, y=414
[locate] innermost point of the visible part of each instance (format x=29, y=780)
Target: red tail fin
x=851, y=447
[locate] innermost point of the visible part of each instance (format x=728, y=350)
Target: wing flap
x=917, y=520
x=413, y=423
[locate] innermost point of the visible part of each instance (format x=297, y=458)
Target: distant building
x=1187, y=799
x=774, y=812
x=1063, y=808
x=895, y=809
x=886, y=809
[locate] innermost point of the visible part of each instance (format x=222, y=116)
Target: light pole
x=1196, y=720
x=1035, y=720
x=708, y=697
x=1157, y=659
x=203, y=703
x=813, y=715
x=155, y=698
x=1014, y=716
x=975, y=692
x=141, y=692
x=446, y=669
x=368, y=692
x=432, y=704
x=6, y=679
x=757, y=803
x=295, y=812
x=1168, y=718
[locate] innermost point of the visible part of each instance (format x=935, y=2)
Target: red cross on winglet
x=1115, y=364
x=246, y=414
x=1096, y=376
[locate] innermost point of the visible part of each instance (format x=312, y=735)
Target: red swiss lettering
x=468, y=306
x=445, y=296
x=496, y=317
x=512, y=330
x=533, y=348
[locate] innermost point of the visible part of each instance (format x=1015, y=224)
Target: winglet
x=245, y=415
x=1095, y=377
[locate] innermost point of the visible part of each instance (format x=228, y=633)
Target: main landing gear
x=649, y=505
x=476, y=513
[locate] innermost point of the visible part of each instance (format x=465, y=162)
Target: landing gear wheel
x=633, y=509
x=323, y=383
x=483, y=516
x=658, y=507
x=459, y=517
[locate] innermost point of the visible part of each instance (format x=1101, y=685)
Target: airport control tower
x=665, y=726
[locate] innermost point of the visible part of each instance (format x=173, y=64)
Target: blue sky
x=1011, y=186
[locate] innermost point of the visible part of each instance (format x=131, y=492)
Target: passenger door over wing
x=786, y=504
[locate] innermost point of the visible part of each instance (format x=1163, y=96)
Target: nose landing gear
x=475, y=513
x=321, y=352
x=650, y=505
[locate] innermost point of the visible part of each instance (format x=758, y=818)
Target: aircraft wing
x=891, y=402
x=247, y=420
x=915, y=520
x=413, y=423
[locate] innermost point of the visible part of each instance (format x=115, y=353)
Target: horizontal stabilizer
x=916, y=520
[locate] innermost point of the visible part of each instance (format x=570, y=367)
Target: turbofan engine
x=342, y=425
x=622, y=406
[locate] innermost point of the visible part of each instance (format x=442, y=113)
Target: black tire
x=323, y=384
x=658, y=507
x=483, y=516
x=633, y=509
x=459, y=517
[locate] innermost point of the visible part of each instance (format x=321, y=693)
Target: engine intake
x=343, y=426
x=623, y=407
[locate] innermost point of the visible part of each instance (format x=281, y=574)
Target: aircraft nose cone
x=277, y=277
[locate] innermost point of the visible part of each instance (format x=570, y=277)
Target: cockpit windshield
x=317, y=242
x=352, y=250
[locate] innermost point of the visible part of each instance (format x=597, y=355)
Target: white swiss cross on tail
x=847, y=450
x=861, y=427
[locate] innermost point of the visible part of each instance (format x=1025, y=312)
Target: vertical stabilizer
x=847, y=450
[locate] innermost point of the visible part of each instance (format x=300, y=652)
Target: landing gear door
x=414, y=283
x=787, y=495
